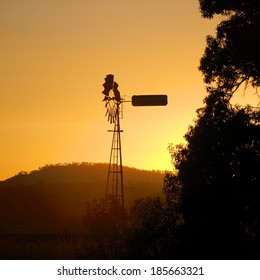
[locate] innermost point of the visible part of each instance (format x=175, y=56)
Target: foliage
x=105, y=222
x=218, y=171
x=232, y=57
x=147, y=230
x=172, y=189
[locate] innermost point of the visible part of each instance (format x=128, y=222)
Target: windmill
x=113, y=103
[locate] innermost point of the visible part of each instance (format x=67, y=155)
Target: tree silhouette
x=219, y=173
x=218, y=168
x=232, y=57
x=147, y=228
x=154, y=224
x=105, y=222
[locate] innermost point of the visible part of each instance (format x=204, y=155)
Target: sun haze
x=54, y=57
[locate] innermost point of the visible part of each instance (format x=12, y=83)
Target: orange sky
x=54, y=57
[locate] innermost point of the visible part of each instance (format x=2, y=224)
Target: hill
x=52, y=198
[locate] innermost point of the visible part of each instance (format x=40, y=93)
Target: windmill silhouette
x=113, y=105
x=113, y=102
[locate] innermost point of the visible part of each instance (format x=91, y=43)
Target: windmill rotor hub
x=112, y=98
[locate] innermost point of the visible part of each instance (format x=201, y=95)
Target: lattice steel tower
x=113, y=103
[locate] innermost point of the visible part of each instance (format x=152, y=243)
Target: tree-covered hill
x=52, y=198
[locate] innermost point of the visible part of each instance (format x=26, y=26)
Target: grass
x=42, y=246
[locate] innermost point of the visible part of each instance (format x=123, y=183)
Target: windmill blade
x=108, y=85
x=116, y=92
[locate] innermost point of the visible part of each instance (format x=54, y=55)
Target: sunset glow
x=54, y=57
